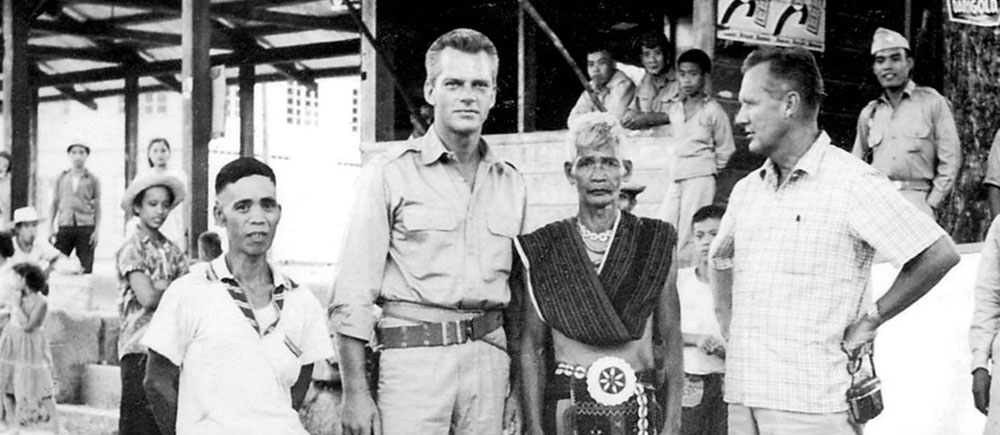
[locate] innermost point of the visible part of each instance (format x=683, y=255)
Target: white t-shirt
x=42, y=254
x=232, y=380
x=698, y=317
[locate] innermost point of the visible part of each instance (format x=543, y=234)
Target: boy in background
x=704, y=410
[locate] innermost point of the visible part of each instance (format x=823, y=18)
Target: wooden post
x=703, y=21
x=197, y=105
x=131, y=128
x=247, y=82
x=18, y=100
x=378, y=106
x=526, y=73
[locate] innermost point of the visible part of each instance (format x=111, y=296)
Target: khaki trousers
x=761, y=421
x=444, y=390
x=682, y=201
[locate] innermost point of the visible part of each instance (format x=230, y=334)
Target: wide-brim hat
x=25, y=214
x=144, y=182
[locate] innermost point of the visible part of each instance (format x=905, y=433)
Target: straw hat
x=144, y=182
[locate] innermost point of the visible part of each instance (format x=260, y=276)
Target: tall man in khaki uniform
x=908, y=132
x=430, y=241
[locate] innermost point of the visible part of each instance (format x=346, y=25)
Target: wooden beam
x=197, y=112
x=249, y=43
x=319, y=50
x=336, y=23
x=106, y=32
x=68, y=90
x=247, y=84
x=91, y=54
x=140, y=18
x=131, y=128
x=378, y=107
x=233, y=81
x=18, y=100
x=526, y=73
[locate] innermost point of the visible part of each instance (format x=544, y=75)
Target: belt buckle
x=611, y=381
x=469, y=327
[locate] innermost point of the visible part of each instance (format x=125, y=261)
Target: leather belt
x=440, y=334
x=917, y=185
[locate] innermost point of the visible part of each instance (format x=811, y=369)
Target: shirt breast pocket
x=917, y=136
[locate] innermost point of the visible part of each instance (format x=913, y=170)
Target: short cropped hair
x=34, y=277
x=241, y=168
x=707, y=212
x=595, y=130
x=795, y=67
x=656, y=39
x=209, y=242
x=696, y=57
x=464, y=40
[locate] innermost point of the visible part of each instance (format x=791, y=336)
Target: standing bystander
x=76, y=208
x=792, y=260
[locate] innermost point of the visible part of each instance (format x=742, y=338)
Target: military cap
x=885, y=38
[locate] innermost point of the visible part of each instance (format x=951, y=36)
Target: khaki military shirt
x=914, y=142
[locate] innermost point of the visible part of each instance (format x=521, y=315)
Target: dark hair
x=210, y=243
x=6, y=245
x=137, y=201
x=241, y=168
x=10, y=159
x=708, y=212
x=34, y=277
x=464, y=40
x=696, y=57
x=656, y=39
x=150, y=146
x=793, y=66
x=86, y=149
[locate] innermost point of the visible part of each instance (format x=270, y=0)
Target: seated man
x=658, y=88
x=603, y=285
x=612, y=87
x=232, y=343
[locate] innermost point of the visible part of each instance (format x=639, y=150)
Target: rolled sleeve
x=365, y=252
x=171, y=329
x=893, y=226
x=619, y=98
x=723, y=247
x=986, y=312
x=949, y=153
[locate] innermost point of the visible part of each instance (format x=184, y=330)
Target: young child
x=704, y=411
x=703, y=143
x=26, y=380
x=147, y=263
x=209, y=246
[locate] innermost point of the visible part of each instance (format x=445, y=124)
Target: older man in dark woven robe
x=600, y=291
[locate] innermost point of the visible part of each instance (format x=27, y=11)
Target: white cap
x=25, y=214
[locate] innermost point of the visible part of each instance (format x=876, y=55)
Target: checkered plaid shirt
x=801, y=255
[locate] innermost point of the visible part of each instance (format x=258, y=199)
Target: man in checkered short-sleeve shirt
x=792, y=260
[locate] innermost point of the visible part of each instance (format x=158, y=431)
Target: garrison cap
x=885, y=38
x=633, y=189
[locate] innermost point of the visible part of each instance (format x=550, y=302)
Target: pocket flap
x=501, y=225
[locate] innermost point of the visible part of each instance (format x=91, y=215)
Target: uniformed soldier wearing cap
x=908, y=132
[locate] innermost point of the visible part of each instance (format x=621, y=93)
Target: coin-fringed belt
x=609, y=388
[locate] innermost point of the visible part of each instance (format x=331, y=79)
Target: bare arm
x=721, y=281
x=161, y=381
x=532, y=363
x=993, y=199
x=360, y=415
x=301, y=386
x=669, y=328
x=145, y=290
x=915, y=279
x=94, y=237
x=35, y=318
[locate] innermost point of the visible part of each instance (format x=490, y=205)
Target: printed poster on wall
x=773, y=22
x=984, y=13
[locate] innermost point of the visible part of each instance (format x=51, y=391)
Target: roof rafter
x=319, y=50
x=249, y=43
x=67, y=90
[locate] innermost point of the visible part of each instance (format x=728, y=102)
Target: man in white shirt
x=28, y=248
x=233, y=343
